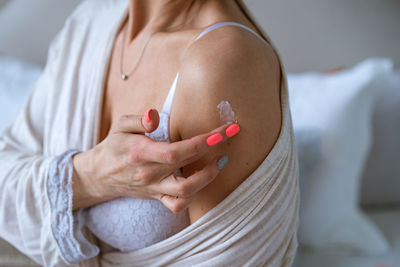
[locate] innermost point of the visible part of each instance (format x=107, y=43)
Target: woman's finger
x=138, y=123
x=188, y=187
x=178, y=153
x=175, y=204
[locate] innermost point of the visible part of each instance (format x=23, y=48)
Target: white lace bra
x=128, y=223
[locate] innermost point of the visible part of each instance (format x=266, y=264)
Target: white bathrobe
x=255, y=225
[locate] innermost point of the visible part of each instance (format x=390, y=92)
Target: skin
x=228, y=63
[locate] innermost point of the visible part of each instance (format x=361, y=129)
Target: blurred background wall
x=322, y=34
x=310, y=34
x=28, y=26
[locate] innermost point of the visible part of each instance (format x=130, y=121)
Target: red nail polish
x=195, y=172
x=147, y=115
x=232, y=130
x=214, y=139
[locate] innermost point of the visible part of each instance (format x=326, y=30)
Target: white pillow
x=381, y=178
x=16, y=80
x=338, y=108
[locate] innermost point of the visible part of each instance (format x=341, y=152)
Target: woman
x=146, y=202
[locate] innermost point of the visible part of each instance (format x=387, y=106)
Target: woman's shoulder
x=231, y=52
x=230, y=65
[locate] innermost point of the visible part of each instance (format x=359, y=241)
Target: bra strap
x=227, y=23
x=170, y=97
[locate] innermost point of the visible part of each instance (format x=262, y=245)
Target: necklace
x=125, y=75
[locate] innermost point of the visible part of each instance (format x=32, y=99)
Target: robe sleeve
x=35, y=189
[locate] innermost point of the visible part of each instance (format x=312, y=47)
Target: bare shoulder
x=228, y=52
x=228, y=64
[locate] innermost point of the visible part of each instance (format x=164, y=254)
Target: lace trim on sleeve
x=67, y=225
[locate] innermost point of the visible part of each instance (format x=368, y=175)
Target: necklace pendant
x=124, y=77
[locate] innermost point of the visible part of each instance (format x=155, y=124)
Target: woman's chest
x=146, y=87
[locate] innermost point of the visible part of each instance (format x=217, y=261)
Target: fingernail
x=232, y=130
x=222, y=162
x=147, y=115
x=214, y=139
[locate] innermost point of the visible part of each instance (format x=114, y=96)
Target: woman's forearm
x=84, y=186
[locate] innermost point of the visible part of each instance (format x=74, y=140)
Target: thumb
x=139, y=124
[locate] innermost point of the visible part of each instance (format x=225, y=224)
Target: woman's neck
x=157, y=15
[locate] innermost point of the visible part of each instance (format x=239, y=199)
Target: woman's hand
x=129, y=164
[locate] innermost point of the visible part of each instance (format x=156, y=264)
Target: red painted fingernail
x=147, y=115
x=214, y=139
x=196, y=171
x=232, y=130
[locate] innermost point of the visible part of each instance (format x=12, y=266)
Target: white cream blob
x=226, y=114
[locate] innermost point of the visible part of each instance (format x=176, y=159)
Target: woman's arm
x=36, y=187
x=24, y=207
x=239, y=68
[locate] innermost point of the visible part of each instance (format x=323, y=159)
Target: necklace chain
x=125, y=75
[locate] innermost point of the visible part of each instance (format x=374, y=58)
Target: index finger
x=179, y=152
